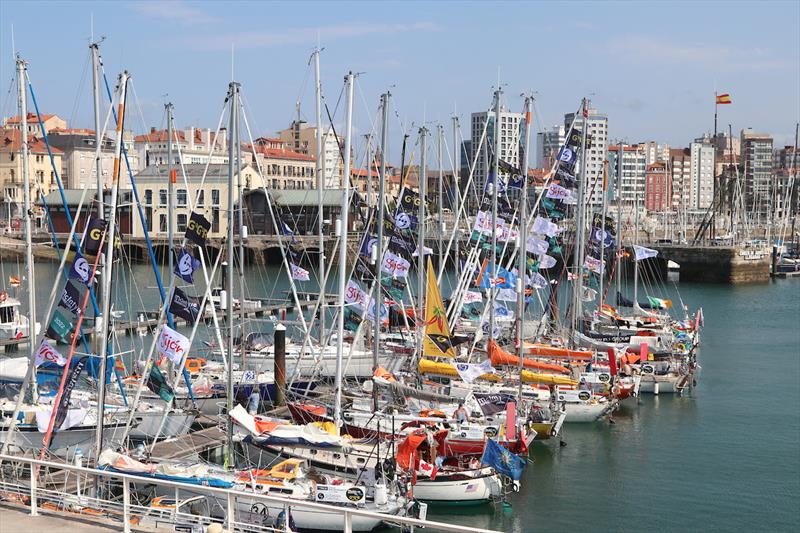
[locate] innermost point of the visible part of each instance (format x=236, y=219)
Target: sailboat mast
x=337, y=416
x=636, y=240
x=577, y=303
x=618, y=191
x=320, y=170
x=233, y=124
x=456, y=190
x=170, y=192
x=105, y=331
x=603, y=234
x=98, y=162
x=440, y=131
x=422, y=187
x=522, y=270
x=26, y=192
x=379, y=222
x=495, y=188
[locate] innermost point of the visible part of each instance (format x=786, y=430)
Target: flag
x=588, y=294
x=441, y=341
x=80, y=269
x=59, y=327
x=70, y=298
x=186, y=266
x=502, y=460
x=63, y=404
x=367, y=244
x=299, y=274
x=354, y=295
x=557, y=192
x=546, y=261
x=384, y=311
x=425, y=251
x=641, y=252
x=172, y=345
x=48, y=354
x=186, y=307
x=536, y=246
x=659, y=303
x=537, y=281
x=723, y=99
x=469, y=372
x=394, y=287
x=395, y=265
x=197, y=229
x=593, y=264
x=158, y=384
x=435, y=319
x=507, y=295
x=493, y=403
x=14, y=281
x=545, y=226
x=94, y=233
x=501, y=311
x=567, y=155
x=471, y=297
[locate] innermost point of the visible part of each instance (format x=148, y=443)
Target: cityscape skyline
x=763, y=81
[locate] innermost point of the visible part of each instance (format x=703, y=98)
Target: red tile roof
x=71, y=131
x=160, y=136
x=31, y=117
x=11, y=141
x=279, y=153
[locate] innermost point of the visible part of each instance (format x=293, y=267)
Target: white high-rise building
x=548, y=143
x=633, y=171
x=302, y=137
x=655, y=152
x=596, y=154
x=509, y=141
x=701, y=184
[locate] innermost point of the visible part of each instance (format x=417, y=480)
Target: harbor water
x=725, y=457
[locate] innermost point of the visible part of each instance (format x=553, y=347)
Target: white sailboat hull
x=176, y=424
x=586, y=412
x=467, y=491
x=28, y=439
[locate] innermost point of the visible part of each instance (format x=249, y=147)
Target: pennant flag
x=94, y=233
x=594, y=265
x=298, y=273
x=469, y=372
x=384, y=311
x=158, y=384
x=472, y=297
x=395, y=265
x=59, y=327
x=48, y=354
x=502, y=460
x=546, y=261
x=186, y=265
x=567, y=155
x=70, y=298
x=435, y=319
x=197, y=229
x=186, y=307
x=354, y=295
x=641, y=252
x=80, y=269
x=723, y=99
x=172, y=345
x=545, y=227
x=63, y=404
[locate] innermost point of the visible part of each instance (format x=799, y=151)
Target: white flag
x=395, y=265
x=425, y=251
x=538, y=281
x=543, y=225
x=558, y=192
x=354, y=295
x=546, y=261
x=507, y=295
x=593, y=264
x=483, y=222
x=48, y=354
x=471, y=297
x=589, y=294
x=643, y=253
x=172, y=345
x=371, y=311
x=469, y=372
x=536, y=246
x=299, y=274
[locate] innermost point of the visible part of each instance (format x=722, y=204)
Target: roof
x=71, y=131
x=193, y=170
x=656, y=166
x=31, y=116
x=278, y=153
x=11, y=141
x=304, y=197
x=159, y=136
x=73, y=197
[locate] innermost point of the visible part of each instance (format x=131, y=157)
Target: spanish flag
x=724, y=98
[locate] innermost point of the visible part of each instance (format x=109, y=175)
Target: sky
x=652, y=67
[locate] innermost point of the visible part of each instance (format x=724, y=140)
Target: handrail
x=228, y=495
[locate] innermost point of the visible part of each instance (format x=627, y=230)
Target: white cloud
x=305, y=35
x=173, y=10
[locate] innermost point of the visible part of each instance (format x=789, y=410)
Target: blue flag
x=504, y=279
x=502, y=460
x=186, y=265
x=80, y=269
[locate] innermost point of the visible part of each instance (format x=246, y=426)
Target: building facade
x=757, y=172
x=49, y=121
x=40, y=171
x=548, y=143
x=78, y=148
x=630, y=179
x=680, y=170
x=302, y=137
x=657, y=190
x=701, y=182
x=509, y=142
x=210, y=198
x=596, y=155
x=281, y=168
x=194, y=144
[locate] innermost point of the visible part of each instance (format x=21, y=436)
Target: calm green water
x=726, y=458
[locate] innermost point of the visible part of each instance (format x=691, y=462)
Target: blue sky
x=651, y=66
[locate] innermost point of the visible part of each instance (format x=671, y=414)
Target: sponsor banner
x=197, y=229
x=172, y=345
x=341, y=494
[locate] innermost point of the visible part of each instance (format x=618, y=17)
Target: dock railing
x=131, y=514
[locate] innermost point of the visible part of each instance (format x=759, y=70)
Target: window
x=148, y=197
x=181, y=223
x=181, y=197
x=215, y=197
x=215, y=220
x=162, y=223
x=201, y=198
x=162, y=198
x=148, y=217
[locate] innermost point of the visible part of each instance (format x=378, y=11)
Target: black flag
x=72, y=380
x=493, y=403
x=197, y=229
x=94, y=234
x=184, y=306
x=70, y=298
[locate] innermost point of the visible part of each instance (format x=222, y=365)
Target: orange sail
x=502, y=357
x=556, y=351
